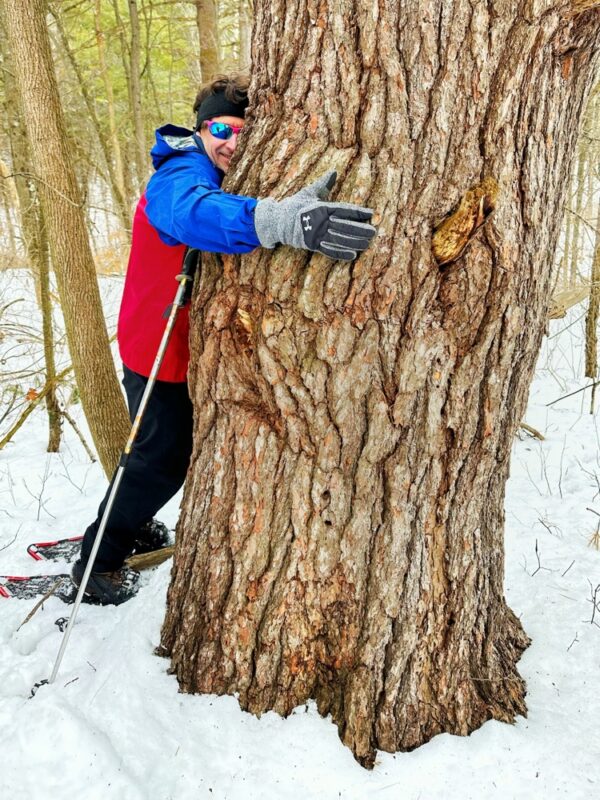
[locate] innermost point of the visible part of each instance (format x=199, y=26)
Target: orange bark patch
x=259, y=518
x=567, y=66
x=487, y=419
x=243, y=634
x=296, y=664
x=475, y=91
x=252, y=591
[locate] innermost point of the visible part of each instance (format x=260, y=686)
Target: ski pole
x=185, y=279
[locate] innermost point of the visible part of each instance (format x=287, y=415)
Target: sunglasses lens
x=221, y=130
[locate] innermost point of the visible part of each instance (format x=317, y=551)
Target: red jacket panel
x=149, y=290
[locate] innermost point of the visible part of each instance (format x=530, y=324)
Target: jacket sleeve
x=185, y=207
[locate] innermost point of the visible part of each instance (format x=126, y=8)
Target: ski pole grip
x=190, y=262
x=186, y=277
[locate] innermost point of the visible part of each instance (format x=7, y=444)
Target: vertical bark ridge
x=342, y=528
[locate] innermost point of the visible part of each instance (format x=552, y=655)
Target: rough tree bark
x=65, y=227
x=341, y=535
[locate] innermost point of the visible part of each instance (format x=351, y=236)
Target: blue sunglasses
x=221, y=130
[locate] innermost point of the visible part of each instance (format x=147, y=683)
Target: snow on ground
x=114, y=726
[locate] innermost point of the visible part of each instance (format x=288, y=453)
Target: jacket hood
x=171, y=140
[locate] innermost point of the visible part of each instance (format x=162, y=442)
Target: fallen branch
x=152, y=559
x=561, y=302
x=532, y=431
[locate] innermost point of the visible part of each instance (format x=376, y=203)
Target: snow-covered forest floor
x=114, y=725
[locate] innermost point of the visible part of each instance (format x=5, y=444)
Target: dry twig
x=73, y=424
x=41, y=602
x=532, y=431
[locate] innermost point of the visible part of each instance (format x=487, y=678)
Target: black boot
x=109, y=588
x=154, y=535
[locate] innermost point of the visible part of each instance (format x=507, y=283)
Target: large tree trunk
x=65, y=226
x=341, y=535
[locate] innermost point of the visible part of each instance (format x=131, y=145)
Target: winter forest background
x=125, y=67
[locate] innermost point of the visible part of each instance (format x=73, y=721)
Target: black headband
x=217, y=105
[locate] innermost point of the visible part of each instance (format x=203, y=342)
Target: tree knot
x=452, y=235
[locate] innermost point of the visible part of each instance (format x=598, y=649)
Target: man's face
x=220, y=151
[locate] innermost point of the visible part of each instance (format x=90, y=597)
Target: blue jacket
x=185, y=202
x=183, y=205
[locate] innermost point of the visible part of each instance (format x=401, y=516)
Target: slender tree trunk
x=591, y=320
x=65, y=225
x=576, y=226
x=590, y=124
x=147, y=71
x=9, y=203
x=245, y=34
x=114, y=143
x=119, y=199
x=35, y=240
x=51, y=400
x=208, y=34
x=565, y=261
x=341, y=535
x=130, y=148
x=9, y=179
x=135, y=94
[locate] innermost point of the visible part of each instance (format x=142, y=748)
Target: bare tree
x=65, y=226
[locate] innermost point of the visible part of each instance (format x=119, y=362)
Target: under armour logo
x=307, y=225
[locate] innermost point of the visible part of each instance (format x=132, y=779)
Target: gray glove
x=307, y=221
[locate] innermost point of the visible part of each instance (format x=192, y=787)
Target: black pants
x=155, y=470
